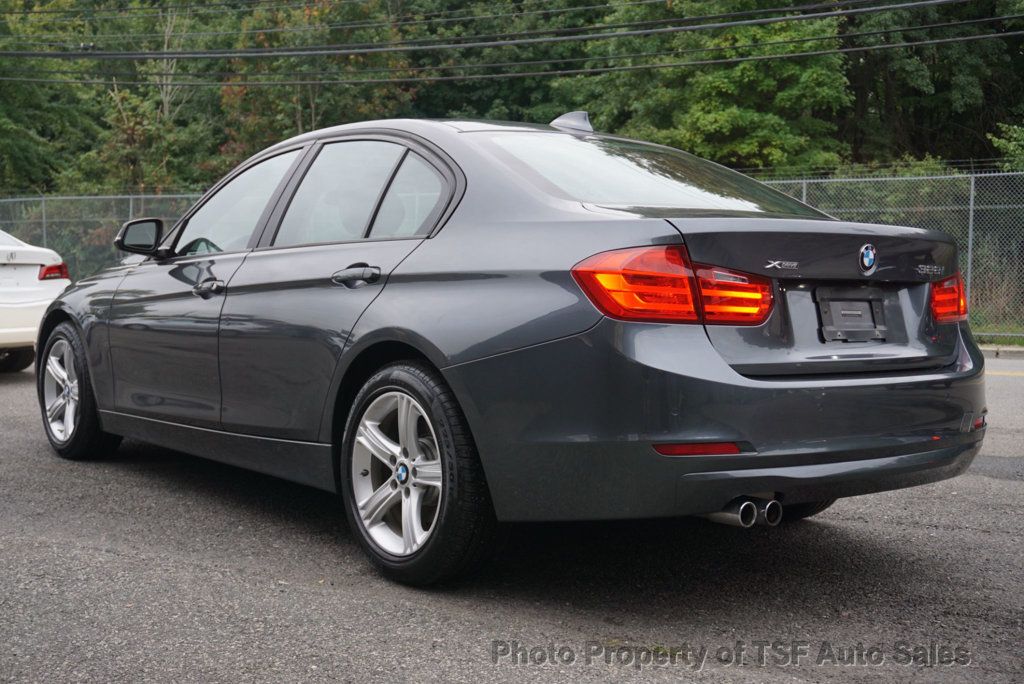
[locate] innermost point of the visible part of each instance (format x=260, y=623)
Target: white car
x=30, y=278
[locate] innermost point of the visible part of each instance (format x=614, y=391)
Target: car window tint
x=227, y=220
x=613, y=172
x=336, y=198
x=411, y=199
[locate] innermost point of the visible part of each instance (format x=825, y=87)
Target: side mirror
x=141, y=236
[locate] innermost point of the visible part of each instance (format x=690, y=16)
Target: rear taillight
x=641, y=284
x=949, y=300
x=54, y=272
x=733, y=298
x=659, y=284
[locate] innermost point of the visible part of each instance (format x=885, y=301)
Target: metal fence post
x=43, y=212
x=131, y=207
x=803, y=191
x=970, y=237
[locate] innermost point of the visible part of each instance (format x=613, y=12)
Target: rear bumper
x=565, y=428
x=710, y=491
x=19, y=323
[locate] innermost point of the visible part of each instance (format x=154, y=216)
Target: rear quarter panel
x=483, y=287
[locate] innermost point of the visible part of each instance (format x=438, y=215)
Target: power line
x=339, y=50
x=588, y=58
x=204, y=8
x=557, y=72
x=432, y=18
x=250, y=4
x=559, y=30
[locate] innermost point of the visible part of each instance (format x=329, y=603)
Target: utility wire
x=557, y=72
x=520, y=34
x=387, y=48
x=470, y=18
x=588, y=58
x=441, y=18
x=204, y=8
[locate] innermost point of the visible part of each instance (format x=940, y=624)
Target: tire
x=463, y=530
x=86, y=439
x=805, y=510
x=14, y=360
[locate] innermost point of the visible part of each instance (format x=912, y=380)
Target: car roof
x=426, y=128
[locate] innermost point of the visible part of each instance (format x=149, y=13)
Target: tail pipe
x=739, y=513
x=769, y=513
x=744, y=512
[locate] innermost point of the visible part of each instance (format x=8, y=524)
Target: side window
x=335, y=200
x=226, y=222
x=412, y=198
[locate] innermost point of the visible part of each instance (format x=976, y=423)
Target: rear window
x=623, y=173
x=9, y=241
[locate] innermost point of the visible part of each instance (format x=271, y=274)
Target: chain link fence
x=82, y=229
x=983, y=212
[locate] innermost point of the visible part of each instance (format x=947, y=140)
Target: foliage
x=1010, y=143
x=143, y=125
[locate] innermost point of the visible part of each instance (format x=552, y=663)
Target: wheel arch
x=363, y=363
x=51, y=320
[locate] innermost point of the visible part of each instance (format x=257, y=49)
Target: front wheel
x=66, y=400
x=414, y=489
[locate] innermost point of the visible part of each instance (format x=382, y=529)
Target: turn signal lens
x=659, y=284
x=698, y=449
x=641, y=284
x=949, y=300
x=733, y=298
x=54, y=272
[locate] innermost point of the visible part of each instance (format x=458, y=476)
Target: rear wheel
x=806, y=510
x=414, y=489
x=66, y=400
x=14, y=360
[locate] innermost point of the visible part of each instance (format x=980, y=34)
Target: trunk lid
x=849, y=297
x=19, y=265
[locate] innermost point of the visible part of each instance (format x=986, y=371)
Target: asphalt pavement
x=156, y=566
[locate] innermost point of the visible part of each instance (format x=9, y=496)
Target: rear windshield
x=623, y=173
x=9, y=241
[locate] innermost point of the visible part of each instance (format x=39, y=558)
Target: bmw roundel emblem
x=868, y=260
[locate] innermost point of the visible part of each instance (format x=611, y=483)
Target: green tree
x=747, y=114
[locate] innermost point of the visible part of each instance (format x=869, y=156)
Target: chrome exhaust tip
x=739, y=513
x=769, y=513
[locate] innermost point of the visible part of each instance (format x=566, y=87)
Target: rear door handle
x=356, y=275
x=208, y=288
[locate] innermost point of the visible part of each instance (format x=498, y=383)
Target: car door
x=362, y=206
x=165, y=314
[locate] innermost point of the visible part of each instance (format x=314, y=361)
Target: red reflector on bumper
x=697, y=449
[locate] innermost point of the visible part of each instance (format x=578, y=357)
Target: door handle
x=208, y=288
x=356, y=275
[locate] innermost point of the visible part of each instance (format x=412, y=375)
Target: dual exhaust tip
x=744, y=512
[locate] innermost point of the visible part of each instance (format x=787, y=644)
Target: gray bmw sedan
x=453, y=324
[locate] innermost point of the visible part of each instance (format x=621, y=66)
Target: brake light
x=733, y=298
x=949, y=299
x=641, y=284
x=659, y=284
x=54, y=272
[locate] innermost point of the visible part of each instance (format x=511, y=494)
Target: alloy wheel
x=60, y=391
x=397, y=479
